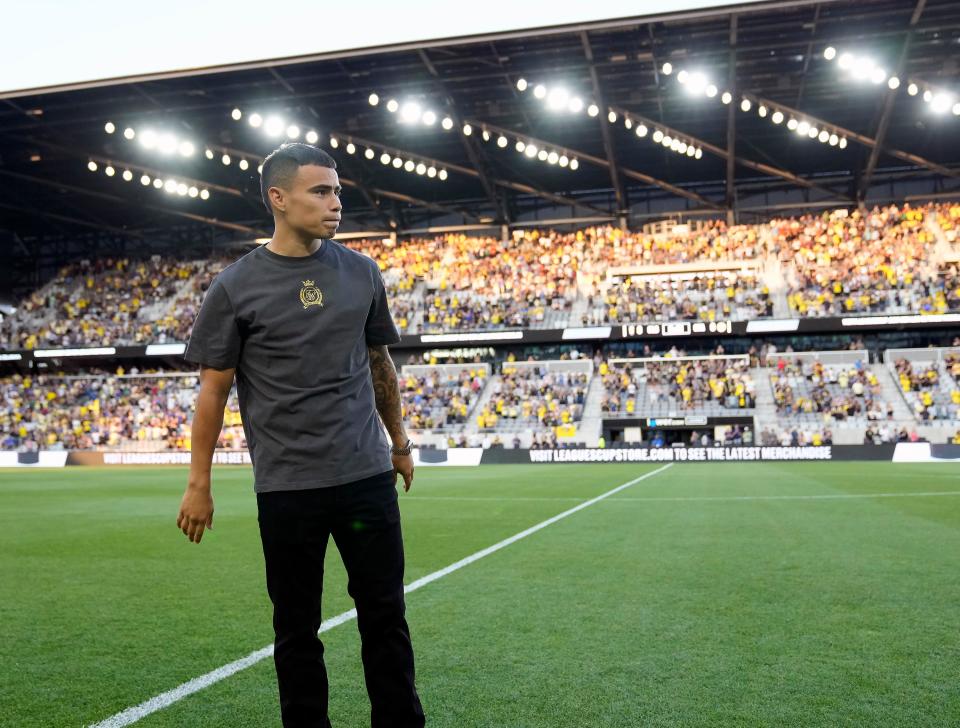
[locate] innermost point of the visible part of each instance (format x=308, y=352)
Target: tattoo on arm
x=386, y=390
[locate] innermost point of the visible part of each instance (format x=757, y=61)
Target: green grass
x=646, y=609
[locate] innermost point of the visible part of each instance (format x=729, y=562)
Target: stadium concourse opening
x=717, y=234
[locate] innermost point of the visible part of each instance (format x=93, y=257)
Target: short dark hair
x=282, y=164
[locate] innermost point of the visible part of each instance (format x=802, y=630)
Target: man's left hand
x=403, y=464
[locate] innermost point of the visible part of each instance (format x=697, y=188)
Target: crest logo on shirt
x=310, y=295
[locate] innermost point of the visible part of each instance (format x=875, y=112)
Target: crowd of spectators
x=121, y=411
x=840, y=392
x=441, y=398
x=686, y=384
x=930, y=397
x=535, y=395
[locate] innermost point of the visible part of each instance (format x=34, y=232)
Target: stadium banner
x=622, y=332
x=904, y=452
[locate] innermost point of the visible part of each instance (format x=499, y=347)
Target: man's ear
x=276, y=199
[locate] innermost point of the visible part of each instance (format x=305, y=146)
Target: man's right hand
x=196, y=511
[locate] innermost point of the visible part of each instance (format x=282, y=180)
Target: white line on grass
x=132, y=715
x=641, y=499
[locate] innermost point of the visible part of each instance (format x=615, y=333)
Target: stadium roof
x=770, y=55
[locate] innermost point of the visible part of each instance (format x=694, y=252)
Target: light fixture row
x=411, y=112
x=276, y=127
x=170, y=185
x=697, y=83
x=419, y=167
x=165, y=143
x=558, y=98
x=665, y=138
x=863, y=68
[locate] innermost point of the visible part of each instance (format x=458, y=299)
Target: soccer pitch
x=703, y=595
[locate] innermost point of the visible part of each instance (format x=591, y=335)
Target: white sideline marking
x=163, y=700
x=628, y=499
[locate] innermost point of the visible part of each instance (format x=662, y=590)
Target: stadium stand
x=891, y=260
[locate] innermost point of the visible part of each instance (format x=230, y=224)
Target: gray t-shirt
x=297, y=330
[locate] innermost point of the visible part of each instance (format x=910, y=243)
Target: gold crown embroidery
x=310, y=295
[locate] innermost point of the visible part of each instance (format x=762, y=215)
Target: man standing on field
x=303, y=324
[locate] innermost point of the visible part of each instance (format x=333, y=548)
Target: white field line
x=163, y=700
x=628, y=499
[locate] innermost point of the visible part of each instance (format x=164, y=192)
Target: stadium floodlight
x=502, y=141
x=941, y=103
x=563, y=161
x=109, y=127
x=204, y=194
x=397, y=162
x=912, y=89
x=542, y=155
x=862, y=68
x=293, y=131
x=158, y=183
x=373, y=99
x=657, y=136
x=762, y=111
x=409, y=166
x=520, y=146
x=696, y=83
x=711, y=91
x=421, y=168
x=823, y=136
x=540, y=91
x=792, y=124
x=334, y=142
x=745, y=105
x=351, y=148
x=311, y=137
x=878, y=76
x=843, y=143
x=369, y=153
x=92, y=166
x=193, y=192
x=666, y=68
x=127, y=175
x=236, y=114
x=682, y=147
x=691, y=151
x=893, y=83
x=552, y=158
x=557, y=99
x=385, y=158
x=429, y=118
x=628, y=122
x=167, y=144
x=641, y=130
x=802, y=128
x=956, y=109
x=129, y=133
x=928, y=96
x=486, y=135
x=243, y=164
x=208, y=153
x=593, y=110
x=829, y=53
x=574, y=164
x=226, y=160
x=447, y=123
x=255, y=120
x=431, y=172
x=109, y=171
x=612, y=116
x=667, y=140
x=186, y=149
x=170, y=186
x=521, y=84
x=411, y=112
x=845, y=61
x=682, y=76
x=145, y=180
x=575, y=105
x=698, y=153
x=467, y=130
x=393, y=105
x=777, y=117
x=442, y=174
x=727, y=97
x=531, y=151
x=833, y=140
x=182, y=189
x=273, y=126
x=148, y=139
x=812, y=132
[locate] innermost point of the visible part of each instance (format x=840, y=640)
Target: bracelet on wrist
x=405, y=450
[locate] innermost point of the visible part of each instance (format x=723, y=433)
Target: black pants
x=364, y=519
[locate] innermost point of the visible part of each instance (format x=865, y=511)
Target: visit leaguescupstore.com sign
x=680, y=454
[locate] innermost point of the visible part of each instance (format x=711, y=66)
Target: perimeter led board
x=56, y=45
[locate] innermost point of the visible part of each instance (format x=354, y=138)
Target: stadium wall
x=909, y=452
